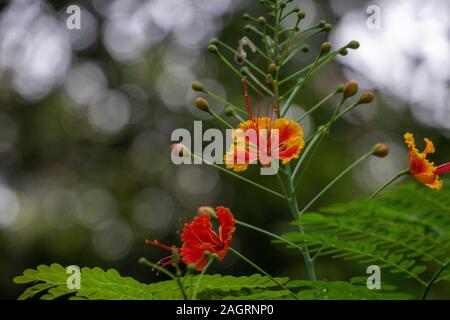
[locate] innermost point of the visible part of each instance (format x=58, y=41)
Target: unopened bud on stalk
x=296, y=9
x=248, y=28
x=340, y=88
x=180, y=149
x=305, y=48
x=327, y=27
x=353, y=44
x=214, y=41
x=272, y=69
x=262, y=20
x=202, y=104
x=343, y=52
x=213, y=49
x=209, y=211
x=246, y=16
x=380, y=150
x=322, y=23
x=350, y=89
x=197, y=86
x=366, y=97
x=229, y=110
x=325, y=48
x=301, y=15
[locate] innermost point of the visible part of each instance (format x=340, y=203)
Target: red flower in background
x=198, y=238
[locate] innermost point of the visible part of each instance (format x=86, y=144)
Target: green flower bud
x=229, y=110
x=366, y=97
x=301, y=15
x=327, y=27
x=197, y=86
x=380, y=150
x=343, y=52
x=353, y=44
x=262, y=21
x=340, y=88
x=246, y=16
x=325, y=48
x=350, y=89
x=213, y=49
x=202, y=104
x=272, y=69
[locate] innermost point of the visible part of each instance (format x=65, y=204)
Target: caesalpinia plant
x=276, y=86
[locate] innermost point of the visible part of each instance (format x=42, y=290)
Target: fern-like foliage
x=50, y=282
x=356, y=289
x=407, y=230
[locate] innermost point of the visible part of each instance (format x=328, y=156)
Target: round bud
x=213, y=49
x=340, y=88
x=214, y=41
x=326, y=47
x=343, y=52
x=350, y=89
x=380, y=150
x=197, y=86
x=248, y=28
x=229, y=110
x=322, y=23
x=262, y=20
x=272, y=69
x=301, y=15
x=246, y=16
x=366, y=97
x=209, y=211
x=202, y=104
x=353, y=44
x=296, y=9
x=327, y=27
x=305, y=48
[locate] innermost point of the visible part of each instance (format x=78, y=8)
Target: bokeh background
x=86, y=117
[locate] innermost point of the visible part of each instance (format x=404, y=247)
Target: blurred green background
x=86, y=117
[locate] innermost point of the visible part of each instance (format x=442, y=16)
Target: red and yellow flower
x=263, y=139
x=199, y=239
x=420, y=167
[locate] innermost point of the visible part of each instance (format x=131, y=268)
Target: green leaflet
x=97, y=284
x=406, y=230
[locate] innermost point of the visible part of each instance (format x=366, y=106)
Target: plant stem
x=239, y=176
x=197, y=284
x=328, y=186
x=270, y=234
x=384, y=186
x=433, y=280
x=317, y=105
x=254, y=265
x=167, y=273
x=220, y=119
x=295, y=210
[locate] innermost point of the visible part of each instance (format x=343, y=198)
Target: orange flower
x=198, y=238
x=420, y=167
x=264, y=138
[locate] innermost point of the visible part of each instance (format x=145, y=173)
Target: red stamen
x=157, y=244
x=444, y=168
